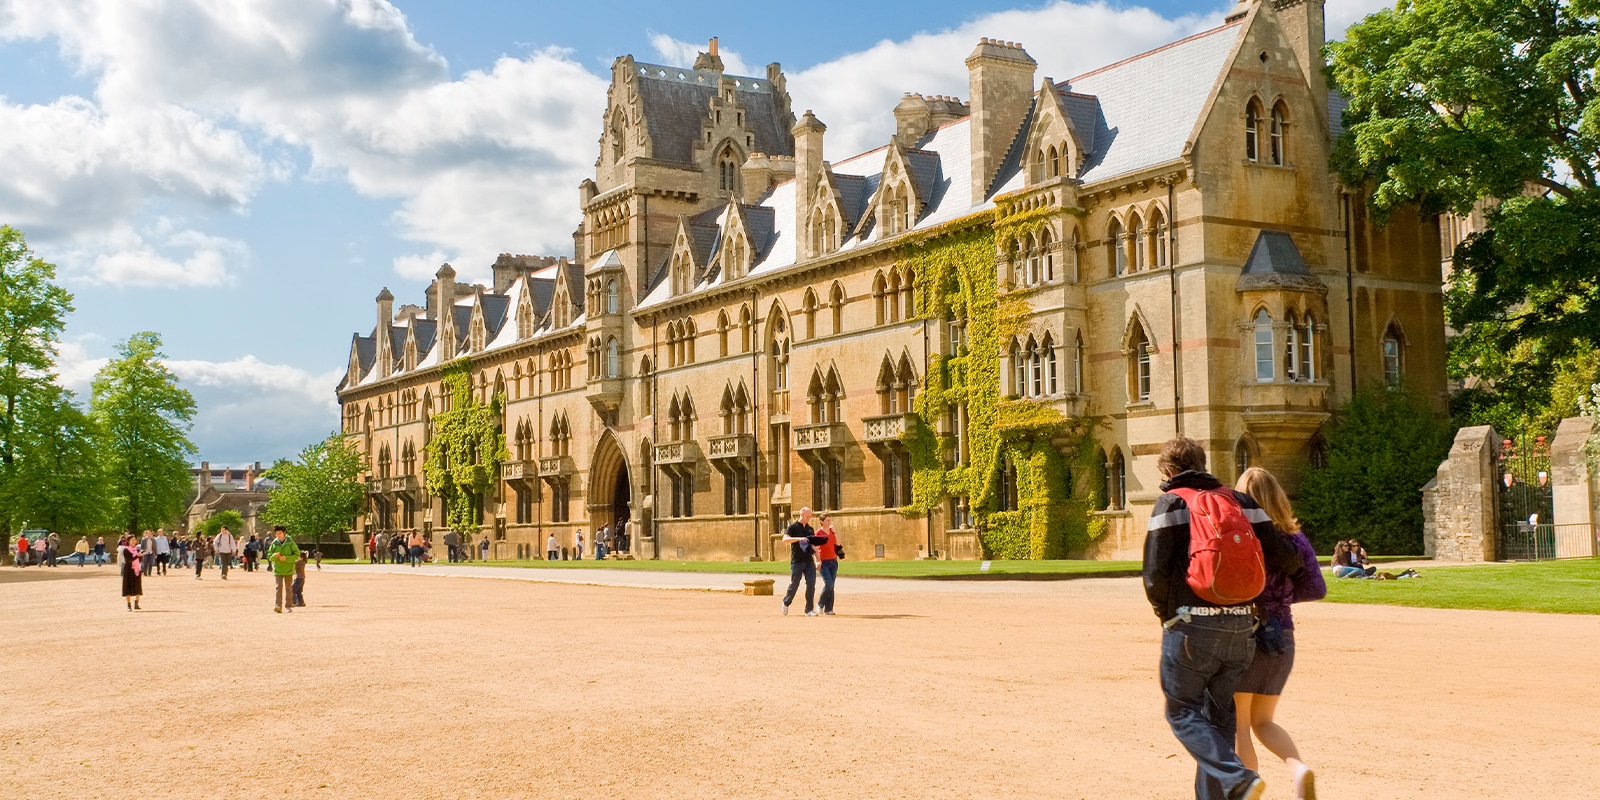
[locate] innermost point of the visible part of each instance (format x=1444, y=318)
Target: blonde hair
x=1269, y=494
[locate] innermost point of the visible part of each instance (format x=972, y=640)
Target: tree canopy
x=227, y=518
x=1456, y=104
x=319, y=492
x=145, y=417
x=58, y=481
x=33, y=313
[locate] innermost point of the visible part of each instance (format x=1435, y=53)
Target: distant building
x=1169, y=243
x=217, y=490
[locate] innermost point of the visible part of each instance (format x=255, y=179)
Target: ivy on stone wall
x=462, y=459
x=1053, y=455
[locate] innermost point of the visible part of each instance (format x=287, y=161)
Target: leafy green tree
x=1382, y=448
x=319, y=492
x=462, y=460
x=1454, y=103
x=227, y=518
x=58, y=481
x=33, y=313
x=145, y=417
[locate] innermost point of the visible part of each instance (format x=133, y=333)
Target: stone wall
x=1576, y=502
x=1458, y=505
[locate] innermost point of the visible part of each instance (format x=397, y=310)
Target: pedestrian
x=802, y=541
x=1257, y=696
x=147, y=553
x=39, y=545
x=627, y=536
x=282, y=553
x=1206, y=643
x=828, y=555
x=317, y=555
x=163, y=551
x=416, y=549
x=552, y=550
x=200, y=549
x=483, y=549
x=99, y=551
x=131, y=555
x=600, y=537
x=81, y=549
x=21, y=559
x=298, y=588
x=452, y=544
x=52, y=548
x=377, y=546
x=225, y=546
x=577, y=546
x=252, y=551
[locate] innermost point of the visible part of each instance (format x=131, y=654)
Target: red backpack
x=1225, y=562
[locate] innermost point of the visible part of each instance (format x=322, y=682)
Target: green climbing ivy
x=1059, y=485
x=462, y=459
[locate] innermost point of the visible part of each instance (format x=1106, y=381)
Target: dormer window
x=728, y=170
x=1252, y=130
x=681, y=274
x=1280, y=120
x=613, y=301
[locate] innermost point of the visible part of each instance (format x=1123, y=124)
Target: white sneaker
x=1254, y=790
x=785, y=607
x=811, y=613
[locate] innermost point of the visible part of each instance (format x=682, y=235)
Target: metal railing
x=1522, y=541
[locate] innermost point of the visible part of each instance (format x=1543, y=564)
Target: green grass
x=865, y=569
x=1551, y=587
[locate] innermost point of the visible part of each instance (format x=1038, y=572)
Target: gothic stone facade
x=734, y=338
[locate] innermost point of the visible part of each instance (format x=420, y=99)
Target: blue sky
x=243, y=176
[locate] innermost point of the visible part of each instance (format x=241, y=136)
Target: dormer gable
x=735, y=254
x=826, y=225
x=477, y=328
x=899, y=202
x=682, y=266
x=1055, y=149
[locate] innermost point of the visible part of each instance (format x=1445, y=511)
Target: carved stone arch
x=610, y=492
x=1138, y=321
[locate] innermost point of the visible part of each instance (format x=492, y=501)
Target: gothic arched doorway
x=610, y=491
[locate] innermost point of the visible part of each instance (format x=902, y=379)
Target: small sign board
x=984, y=567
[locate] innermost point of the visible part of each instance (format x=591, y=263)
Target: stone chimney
x=808, y=166
x=709, y=61
x=381, y=332
x=756, y=175
x=1000, y=75
x=205, y=474
x=444, y=303
x=1304, y=25
x=917, y=115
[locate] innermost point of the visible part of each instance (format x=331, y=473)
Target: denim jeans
x=796, y=571
x=1349, y=572
x=297, y=588
x=1202, y=662
x=416, y=556
x=830, y=571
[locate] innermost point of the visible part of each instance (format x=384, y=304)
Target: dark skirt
x=1268, y=674
x=132, y=583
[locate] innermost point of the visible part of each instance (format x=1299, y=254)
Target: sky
x=244, y=176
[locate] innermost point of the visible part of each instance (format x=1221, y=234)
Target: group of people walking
x=812, y=550
x=141, y=556
x=1222, y=568
x=43, y=550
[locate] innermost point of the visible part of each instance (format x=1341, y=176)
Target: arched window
x=1279, y=122
x=646, y=388
x=905, y=383
x=728, y=170
x=1117, y=477
x=1051, y=382
x=809, y=308
x=1117, y=254
x=836, y=304
x=1265, y=368
x=1136, y=255
x=688, y=341
x=908, y=294
x=1055, y=163
x=892, y=295
x=1035, y=368
x=1139, y=366
x=1047, y=257
x=1158, y=239
x=1291, y=348
x=722, y=333
x=1241, y=458
x=1019, y=369
x=1252, y=130
x=613, y=302
x=1308, y=348
x=879, y=299
x=746, y=330
x=1077, y=364
x=886, y=398
x=613, y=359
x=1393, y=356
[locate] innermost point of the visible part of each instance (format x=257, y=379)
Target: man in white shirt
x=225, y=546
x=163, y=550
x=552, y=550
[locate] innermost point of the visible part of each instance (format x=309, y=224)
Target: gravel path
x=403, y=687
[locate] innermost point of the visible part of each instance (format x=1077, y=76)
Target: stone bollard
x=760, y=587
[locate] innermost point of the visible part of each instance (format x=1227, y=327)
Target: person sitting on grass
x=1348, y=564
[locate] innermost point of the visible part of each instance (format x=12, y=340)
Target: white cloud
x=678, y=53
x=1341, y=14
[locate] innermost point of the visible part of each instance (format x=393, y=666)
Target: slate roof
x=575, y=285
x=676, y=101
x=1337, y=105
x=425, y=331
x=1275, y=263
x=854, y=191
x=926, y=174
x=495, y=307
x=1149, y=104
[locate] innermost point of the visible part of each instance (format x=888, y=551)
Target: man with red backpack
x=1204, y=564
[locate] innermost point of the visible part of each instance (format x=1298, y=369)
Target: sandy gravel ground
x=402, y=686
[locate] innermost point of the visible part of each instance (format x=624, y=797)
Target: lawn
x=1552, y=587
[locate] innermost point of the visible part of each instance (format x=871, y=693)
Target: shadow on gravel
x=882, y=616
x=32, y=574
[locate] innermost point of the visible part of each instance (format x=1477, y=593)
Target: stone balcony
x=519, y=471
x=605, y=394
x=732, y=446
x=395, y=484
x=556, y=467
x=671, y=454
x=818, y=436
x=887, y=432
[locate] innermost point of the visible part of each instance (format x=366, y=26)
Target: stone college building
x=968, y=342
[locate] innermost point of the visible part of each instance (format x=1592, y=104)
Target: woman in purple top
x=1257, y=696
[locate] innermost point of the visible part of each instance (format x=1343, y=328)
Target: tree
x=1494, y=103
x=1384, y=446
x=33, y=313
x=58, y=481
x=145, y=416
x=462, y=460
x=227, y=518
x=318, y=493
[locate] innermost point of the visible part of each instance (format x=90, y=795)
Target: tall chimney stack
x=444, y=314
x=1000, y=76
x=808, y=167
x=205, y=474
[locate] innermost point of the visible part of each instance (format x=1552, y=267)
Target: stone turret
x=381, y=331
x=444, y=302
x=1000, y=75
x=916, y=115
